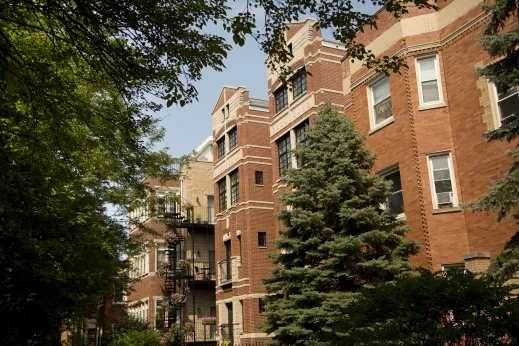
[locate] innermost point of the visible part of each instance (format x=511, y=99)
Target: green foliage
x=147, y=337
x=504, y=73
x=129, y=324
x=452, y=308
x=337, y=238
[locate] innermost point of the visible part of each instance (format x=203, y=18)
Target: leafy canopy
x=337, y=237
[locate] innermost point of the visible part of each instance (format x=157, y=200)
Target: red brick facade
x=418, y=133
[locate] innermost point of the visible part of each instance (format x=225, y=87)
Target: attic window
x=289, y=46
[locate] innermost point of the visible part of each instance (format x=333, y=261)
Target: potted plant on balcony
x=172, y=237
x=208, y=320
x=171, y=335
x=163, y=267
x=183, y=264
x=177, y=298
x=188, y=208
x=189, y=328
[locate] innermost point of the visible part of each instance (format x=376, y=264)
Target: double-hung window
x=284, y=154
x=222, y=195
x=442, y=181
x=262, y=239
x=395, y=202
x=281, y=97
x=507, y=104
x=300, y=132
x=235, y=187
x=299, y=83
x=382, y=110
x=140, y=265
x=429, y=83
x=220, y=144
x=258, y=175
x=233, y=138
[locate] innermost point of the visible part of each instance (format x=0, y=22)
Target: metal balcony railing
x=225, y=272
x=203, y=270
x=171, y=208
x=202, y=332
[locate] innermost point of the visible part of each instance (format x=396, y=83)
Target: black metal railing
x=171, y=208
x=203, y=270
x=225, y=270
x=202, y=332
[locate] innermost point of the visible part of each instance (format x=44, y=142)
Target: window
x=507, y=104
x=381, y=102
x=221, y=147
x=161, y=255
x=442, y=179
x=222, y=195
x=429, y=84
x=233, y=138
x=284, y=154
x=281, y=97
x=299, y=83
x=140, y=265
x=261, y=303
x=139, y=310
x=160, y=316
x=235, y=187
x=262, y=239
x=300, y=131
x=453, y=266
x=289, y=46
x=395, y=203
x=259, y=177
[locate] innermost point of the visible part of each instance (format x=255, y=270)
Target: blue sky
x=188, y=126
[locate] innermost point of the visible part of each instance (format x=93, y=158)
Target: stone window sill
x=446, y=210
x=382, y=125
x=431, y=106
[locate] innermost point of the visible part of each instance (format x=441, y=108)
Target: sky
x=187, y=127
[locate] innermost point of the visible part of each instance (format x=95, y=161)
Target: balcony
x=225, y=271
x=185, y=214
x=203, y=333
x=203, y=271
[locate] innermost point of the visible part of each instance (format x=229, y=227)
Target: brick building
x=425, y=125
x=195, y=187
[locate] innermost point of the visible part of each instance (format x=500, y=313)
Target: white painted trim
x=259, y=109
x=448, y=153
x=419, y=79
x=371, y=105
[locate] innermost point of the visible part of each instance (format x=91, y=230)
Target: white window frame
x=140, y=309
x=158, y=244
x=140, y=269
x=371, y=105
x=448, y=153
x=438, y=78
x=386, y=172
x=494, y=101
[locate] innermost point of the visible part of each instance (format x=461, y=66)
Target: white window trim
x=441, y=102
x=142, y=305
x=494, y=99
x=158, y=242
x=371, y=105
x=455, y=201
x=387, y=171
x=155, y=300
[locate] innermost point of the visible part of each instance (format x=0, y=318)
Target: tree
x=67, y=148
x=338, y=238
x=504, y=194
x=450, y=308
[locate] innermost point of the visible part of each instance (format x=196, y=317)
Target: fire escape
x=184, y=275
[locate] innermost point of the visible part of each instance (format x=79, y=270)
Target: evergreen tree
x=337, y=238
x=504, y=194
